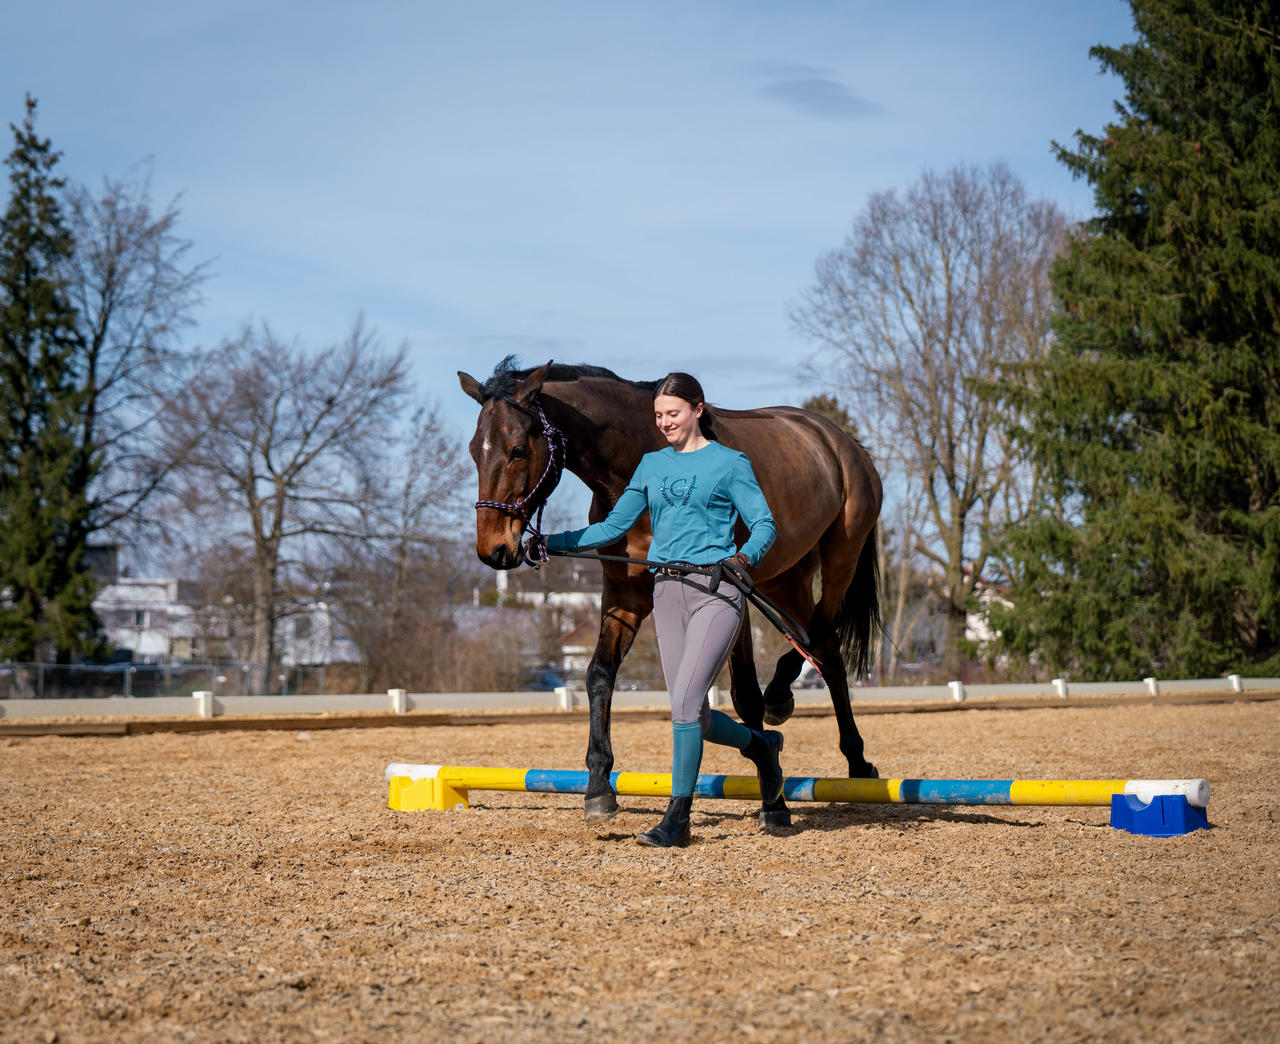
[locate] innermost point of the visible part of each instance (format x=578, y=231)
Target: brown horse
x=821, y=486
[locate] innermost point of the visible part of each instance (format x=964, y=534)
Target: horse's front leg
x=602, y=802
x=744, y=684
x=623, y=606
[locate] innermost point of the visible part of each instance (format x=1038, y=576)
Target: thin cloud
x=813, y=92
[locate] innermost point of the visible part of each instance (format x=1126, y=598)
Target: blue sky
x=644, y=186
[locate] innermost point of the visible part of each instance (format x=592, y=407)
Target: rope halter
x=557, y=445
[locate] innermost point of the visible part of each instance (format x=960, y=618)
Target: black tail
x=857, y=624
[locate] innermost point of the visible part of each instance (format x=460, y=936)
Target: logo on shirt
x=679, y=491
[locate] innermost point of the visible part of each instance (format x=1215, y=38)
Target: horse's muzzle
x=501, y=557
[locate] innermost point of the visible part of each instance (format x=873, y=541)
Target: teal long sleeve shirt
x=693, y=500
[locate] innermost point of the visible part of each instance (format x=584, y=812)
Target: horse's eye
x=518, y=451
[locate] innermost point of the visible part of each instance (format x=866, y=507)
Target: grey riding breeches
x=696, y=629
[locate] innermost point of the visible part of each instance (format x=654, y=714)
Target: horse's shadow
x=834, y=818
x=813, y=817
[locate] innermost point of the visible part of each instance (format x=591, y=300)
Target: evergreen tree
x=45, y=588
x=827, y=405
x=1155, y=421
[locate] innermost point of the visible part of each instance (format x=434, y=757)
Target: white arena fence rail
x=207, y=704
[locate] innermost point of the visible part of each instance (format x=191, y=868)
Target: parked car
x=539, y=679
x=810, y=679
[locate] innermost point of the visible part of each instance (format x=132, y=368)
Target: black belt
x=790, y=629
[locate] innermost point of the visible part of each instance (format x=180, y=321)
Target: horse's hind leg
x=848, y=589
x=831, y=664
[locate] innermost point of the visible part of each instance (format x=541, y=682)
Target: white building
x=154, y=619
x=161, y=620
x=310, y=636
x=581, y=596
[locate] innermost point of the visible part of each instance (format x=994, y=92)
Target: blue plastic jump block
x=1169, y=815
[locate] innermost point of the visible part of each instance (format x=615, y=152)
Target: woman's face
x=677, y=419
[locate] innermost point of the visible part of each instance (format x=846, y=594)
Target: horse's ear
x=531, y=385
x=471, y=386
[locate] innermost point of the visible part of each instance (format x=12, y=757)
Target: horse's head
x=514, y=458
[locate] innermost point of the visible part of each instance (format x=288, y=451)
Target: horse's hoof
x=777, y=713
x=865, y=771
x=774, y=818
x=600, y=807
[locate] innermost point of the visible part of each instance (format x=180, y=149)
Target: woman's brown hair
x=685, y=386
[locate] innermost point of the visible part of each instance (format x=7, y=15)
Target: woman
x=694, y=489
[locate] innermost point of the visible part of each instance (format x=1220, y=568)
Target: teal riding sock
x=727, y=732
x=686, y=757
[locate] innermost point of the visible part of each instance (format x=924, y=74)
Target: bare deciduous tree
x=134, y=289
x=899, y=573
x=933, y=289
x=286, y=451
x=221, y=580
x=898, y=537
x=390, y=585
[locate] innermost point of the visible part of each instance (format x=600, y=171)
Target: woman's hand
x=535, y=551
x=737, y=567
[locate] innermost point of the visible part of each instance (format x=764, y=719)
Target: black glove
x=736, y=566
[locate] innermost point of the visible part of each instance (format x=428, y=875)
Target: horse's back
x=796, y=451
x=814, y=475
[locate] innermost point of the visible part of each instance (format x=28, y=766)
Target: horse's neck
x=608, y=429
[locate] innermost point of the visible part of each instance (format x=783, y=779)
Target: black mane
x=507, y=376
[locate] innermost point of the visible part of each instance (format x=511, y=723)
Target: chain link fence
x=51, y=681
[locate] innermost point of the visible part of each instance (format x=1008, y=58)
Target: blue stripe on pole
x=799, y=788
x=557, y=781
x=709, y=786
x=956, y=792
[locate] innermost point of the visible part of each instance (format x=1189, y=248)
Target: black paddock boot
x=763, y=750
x=673, y=831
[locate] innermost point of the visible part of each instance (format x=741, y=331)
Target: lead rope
x=789, y=628
x=557, y=447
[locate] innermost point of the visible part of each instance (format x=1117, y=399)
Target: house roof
x=585, y=633
x=582, y=635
